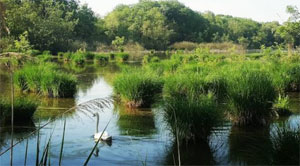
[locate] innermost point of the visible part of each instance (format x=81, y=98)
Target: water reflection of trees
x=250, y=146
x=135, y=122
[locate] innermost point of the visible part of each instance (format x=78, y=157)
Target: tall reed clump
x=251, y=94
x=46, y=80
x=24, y=109
x=138, y=88
x=191, y=107
x=286, y=146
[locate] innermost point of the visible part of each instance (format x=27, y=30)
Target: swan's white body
x=105, y=136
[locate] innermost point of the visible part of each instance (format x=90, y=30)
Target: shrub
x=24, y=109
x=45, y=79
x=251, y=93
x=138, y=88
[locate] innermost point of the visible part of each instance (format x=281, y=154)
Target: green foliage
x=281, y=105
x=67, y=56
x=23, y=45
x=102, y=57
x=138, y=88
x=251, y=93
x=122, y=57
x=294, y=77
x=46, y=80
x=24, y=109
x=119, y=43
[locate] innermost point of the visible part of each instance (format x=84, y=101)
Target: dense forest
x=65, y=25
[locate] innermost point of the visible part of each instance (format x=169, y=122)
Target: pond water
x=140, y=137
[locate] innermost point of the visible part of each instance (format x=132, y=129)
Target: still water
x=140, y=137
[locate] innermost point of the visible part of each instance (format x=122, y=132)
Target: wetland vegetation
x=173, y=87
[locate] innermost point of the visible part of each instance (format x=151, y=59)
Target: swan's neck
x=97, y=124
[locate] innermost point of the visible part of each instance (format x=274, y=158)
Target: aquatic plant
x=192, y=117
x=138, y=88
x=45, y=79
x=193, y=84
x=281, y=105
x=251, y=94
x=24, y=109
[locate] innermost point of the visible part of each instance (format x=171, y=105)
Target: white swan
x=105, y=136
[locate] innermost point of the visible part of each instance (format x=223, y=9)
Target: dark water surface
x=140, y=137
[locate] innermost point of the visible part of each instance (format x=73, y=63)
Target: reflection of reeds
x=286, y=145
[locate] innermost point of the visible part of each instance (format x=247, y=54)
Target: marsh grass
x=138, y=88
x=24, y=109
x=192, y=117
x=46, y=80
x=251, y=94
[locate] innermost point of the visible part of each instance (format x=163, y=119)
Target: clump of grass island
x=138, y=88
x=45, y=79
x=191, y=107
x=251, y=94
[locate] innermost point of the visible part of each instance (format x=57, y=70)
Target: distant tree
x=119, y=43
x=290, y=30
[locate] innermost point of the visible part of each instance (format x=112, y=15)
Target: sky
x=259, y=10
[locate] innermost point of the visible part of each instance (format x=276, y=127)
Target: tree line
x=62, y=25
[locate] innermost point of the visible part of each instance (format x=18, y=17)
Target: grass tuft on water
x=251, y=94
x=138, y=88
x=46, y=80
